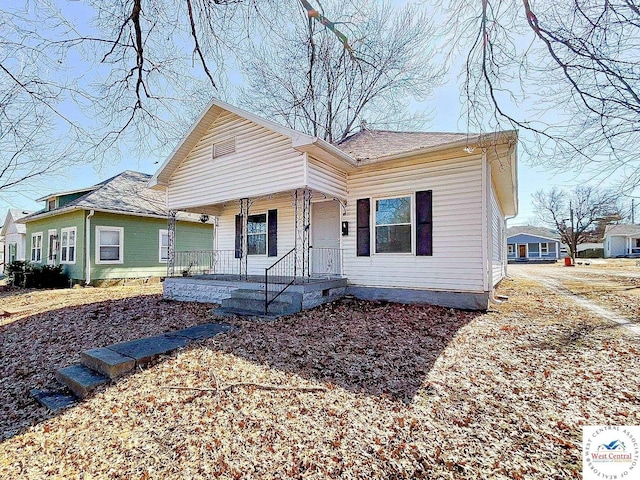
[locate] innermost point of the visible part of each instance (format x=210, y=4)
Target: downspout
x=489, y=233
x=87, y=248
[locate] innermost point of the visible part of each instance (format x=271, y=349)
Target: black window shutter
x=424, y=224
x=272, y=232
x=363, y=230
x=238, y=236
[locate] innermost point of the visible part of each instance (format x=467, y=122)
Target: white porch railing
x=326, y=262
x=199, y=262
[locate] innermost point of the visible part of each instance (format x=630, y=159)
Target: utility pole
x=573, y=234
x=633, y=211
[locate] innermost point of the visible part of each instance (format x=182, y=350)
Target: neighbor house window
x=257, y=234
x=511, y=249
x=13, y=252
x=51, y=204
x=544, y=248
x=36, y=247
x=393, y=225
x=68, y=245
x=109, y=244
x=163, y=246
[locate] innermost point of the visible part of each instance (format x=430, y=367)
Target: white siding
x=326, y=179
x=286, y=237
x=21, y=240
x=498, y=256
x=264, y=163
x=456, y=264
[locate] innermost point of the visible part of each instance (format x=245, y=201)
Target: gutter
x=87, y=248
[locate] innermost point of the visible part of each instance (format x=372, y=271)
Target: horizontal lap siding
x=498, y=263
x=141, y=244
x=286, y=236
x=58, y=222
x=264, y=163
x=456, y=264
x=326, y=179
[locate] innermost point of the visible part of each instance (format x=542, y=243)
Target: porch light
x=204, y=218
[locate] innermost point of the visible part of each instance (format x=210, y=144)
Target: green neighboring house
x=115, y=229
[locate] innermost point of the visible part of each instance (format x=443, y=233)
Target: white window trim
x=67, y=230
x=411, y=223
x=120, y=260
x=162, y=232
x=511, y=249
x=266, y=235
x=544, y=248
x=33, y=235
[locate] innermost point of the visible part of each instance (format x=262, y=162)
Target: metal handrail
x=194, y=262
x=284, y=267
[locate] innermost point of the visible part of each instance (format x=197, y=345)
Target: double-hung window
x=36, y=247
x=68, y=245
x=393, y=225
x=511, y=249
x=163, y=246
x=544, y=249
x=109, y=245
x=257, y=234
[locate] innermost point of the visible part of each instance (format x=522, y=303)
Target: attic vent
x=224, y=147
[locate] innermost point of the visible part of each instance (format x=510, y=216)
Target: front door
x=522, y=249
x=325, y=238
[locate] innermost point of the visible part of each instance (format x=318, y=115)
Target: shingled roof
x=531, y=230
x=622, y=229
x=126, y=193
x=375, y=144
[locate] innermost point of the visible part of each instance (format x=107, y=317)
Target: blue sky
x=445, y=104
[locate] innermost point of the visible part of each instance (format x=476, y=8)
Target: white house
x=407, y=216
x=621, y=241
x=15, y=235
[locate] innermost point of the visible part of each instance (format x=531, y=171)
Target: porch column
x=171, y=243
x=244, y=212
x=302, y=218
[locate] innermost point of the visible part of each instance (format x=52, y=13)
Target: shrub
x=27, y=275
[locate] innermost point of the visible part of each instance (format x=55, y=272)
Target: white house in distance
x=621, y=241
x=402, y=216
x=15, y=235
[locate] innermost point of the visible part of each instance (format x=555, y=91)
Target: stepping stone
x=108, y=362
x=54, y=401
x=207, y=330
x=145, y=349
x=80, y=380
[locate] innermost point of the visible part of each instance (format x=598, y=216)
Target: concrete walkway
x=99, y=366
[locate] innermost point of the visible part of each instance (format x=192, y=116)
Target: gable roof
x=299, y=141
x=365, y=147
x=15, y=214
x=624, y=230
x=126, y=193
x=541, y=232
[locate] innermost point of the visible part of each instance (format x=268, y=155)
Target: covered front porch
x=277, y=246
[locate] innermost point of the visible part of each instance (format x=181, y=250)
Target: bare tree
x=82, y=81
x=578, y=59
x=575, y=215
x=310, y=82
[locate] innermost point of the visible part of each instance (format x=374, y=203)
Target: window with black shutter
x=272, y=232
x=238, y=236
x=363, y=229
x=424, y=223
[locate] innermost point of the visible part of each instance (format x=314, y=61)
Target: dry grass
x=410, y=392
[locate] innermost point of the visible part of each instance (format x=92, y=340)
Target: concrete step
x=54, y=400
x=108, y=362
x=292, y=297
x=277, y=307
x=80, y=380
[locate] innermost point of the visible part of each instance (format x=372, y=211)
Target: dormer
x=60, y=199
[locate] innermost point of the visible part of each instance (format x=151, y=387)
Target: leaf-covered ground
x=364, y=390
